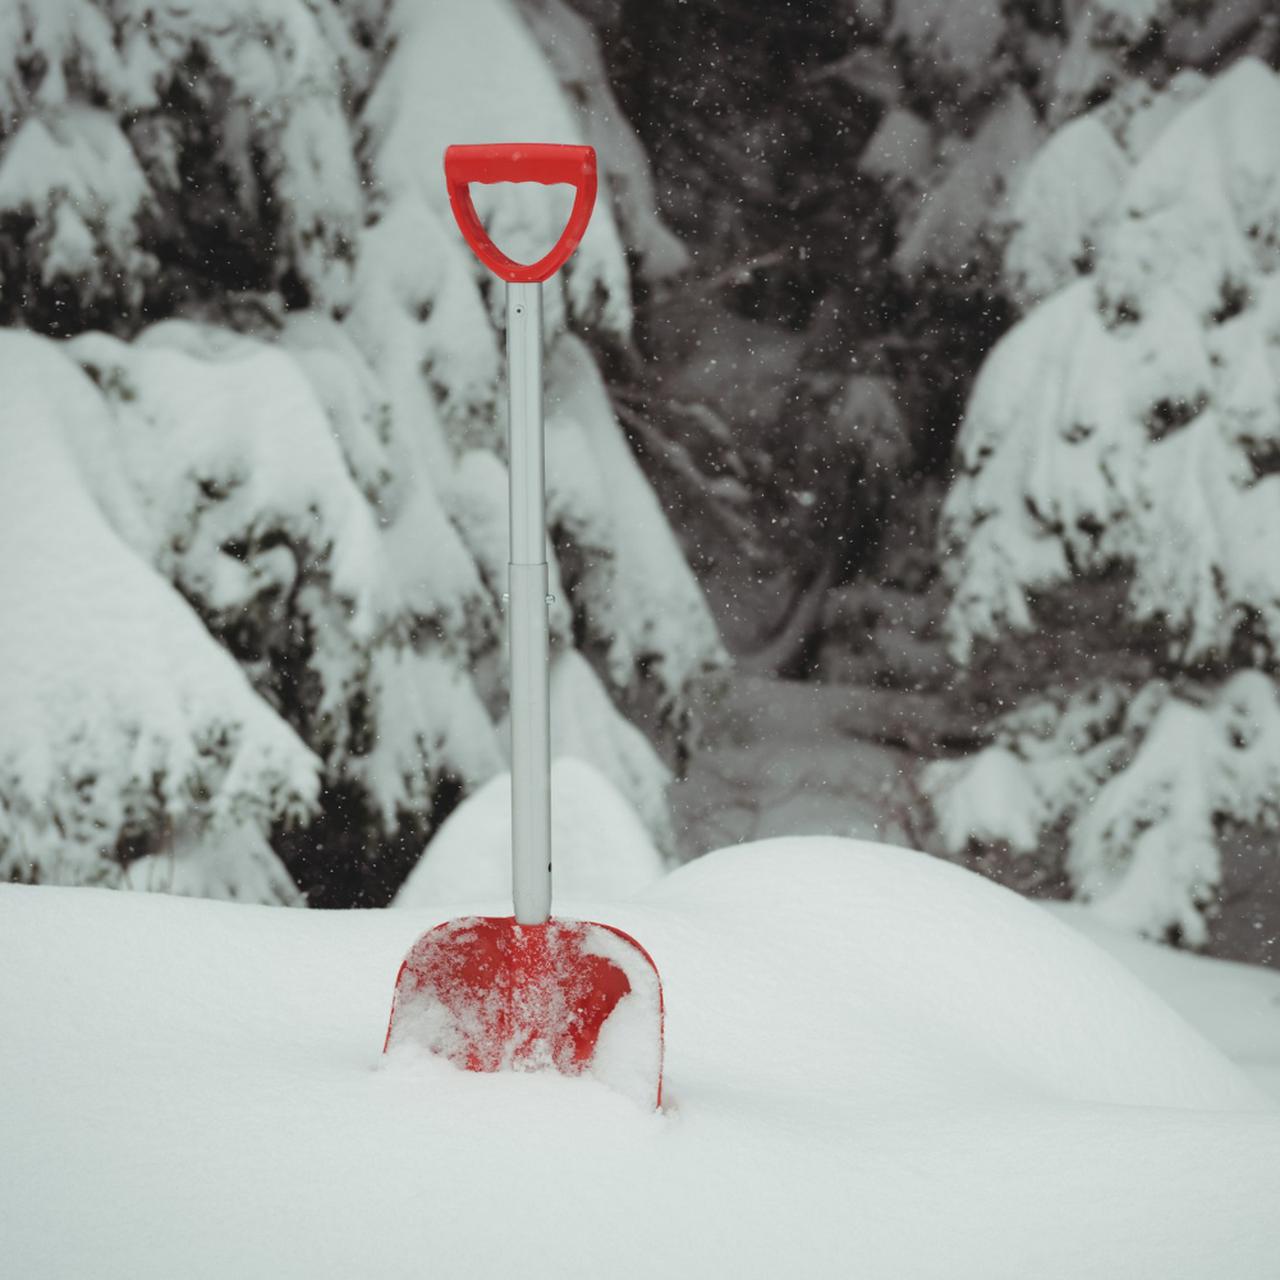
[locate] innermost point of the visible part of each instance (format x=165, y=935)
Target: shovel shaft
x=527, y=571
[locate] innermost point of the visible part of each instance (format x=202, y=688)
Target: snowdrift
x=876, y=1063
x=599, y=846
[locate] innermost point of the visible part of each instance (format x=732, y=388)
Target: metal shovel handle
x=548, y=163
x=527, y=571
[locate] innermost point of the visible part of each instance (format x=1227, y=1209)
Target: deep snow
x=1236, y=1006
x=876, y=1064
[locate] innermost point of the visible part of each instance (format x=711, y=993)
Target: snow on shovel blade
x=490, y=994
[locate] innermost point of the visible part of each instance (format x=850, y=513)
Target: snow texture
x=599, y=846
x=124, y=721
x=573, y=51
x=326, y=491
x=1129, y=426
x=1145, y=785
x=1129, y=417
x=637, y=592
x=1233, y=1005
x=852, y=1032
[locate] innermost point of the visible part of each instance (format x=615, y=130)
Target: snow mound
x=470, y=857
x=936, y=982
x=1233, y=1004
x=853, y=1032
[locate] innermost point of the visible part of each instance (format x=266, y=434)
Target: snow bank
x=855, y=1036
x=1233, y=1005
x=599, y=846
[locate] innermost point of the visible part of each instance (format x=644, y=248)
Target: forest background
x=914, y=440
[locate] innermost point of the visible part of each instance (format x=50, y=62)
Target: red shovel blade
x=490, y=994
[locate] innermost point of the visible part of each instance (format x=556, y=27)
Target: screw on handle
x=548, y=163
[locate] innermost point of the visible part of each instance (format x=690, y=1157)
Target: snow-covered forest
x=255, y=482
x=912, y=425
x=1005, y=280
x=913, y=414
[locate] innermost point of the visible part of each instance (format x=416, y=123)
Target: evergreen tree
x=269, y=419
x=1119, y=456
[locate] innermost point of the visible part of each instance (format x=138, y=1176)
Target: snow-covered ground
x=1236, y=1006
x=877, y=1064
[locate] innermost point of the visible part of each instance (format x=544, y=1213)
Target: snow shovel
x=530, y=991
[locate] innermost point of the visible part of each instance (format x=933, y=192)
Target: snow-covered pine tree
x=969, y=91
x=971, y=86
x=274, y=435
x=1126, y=433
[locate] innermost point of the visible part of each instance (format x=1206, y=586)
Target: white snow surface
x=598, y=843
x=1237, y=1006
x=861, y=1042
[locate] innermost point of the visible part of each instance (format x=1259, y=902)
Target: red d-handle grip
x=545, y=162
